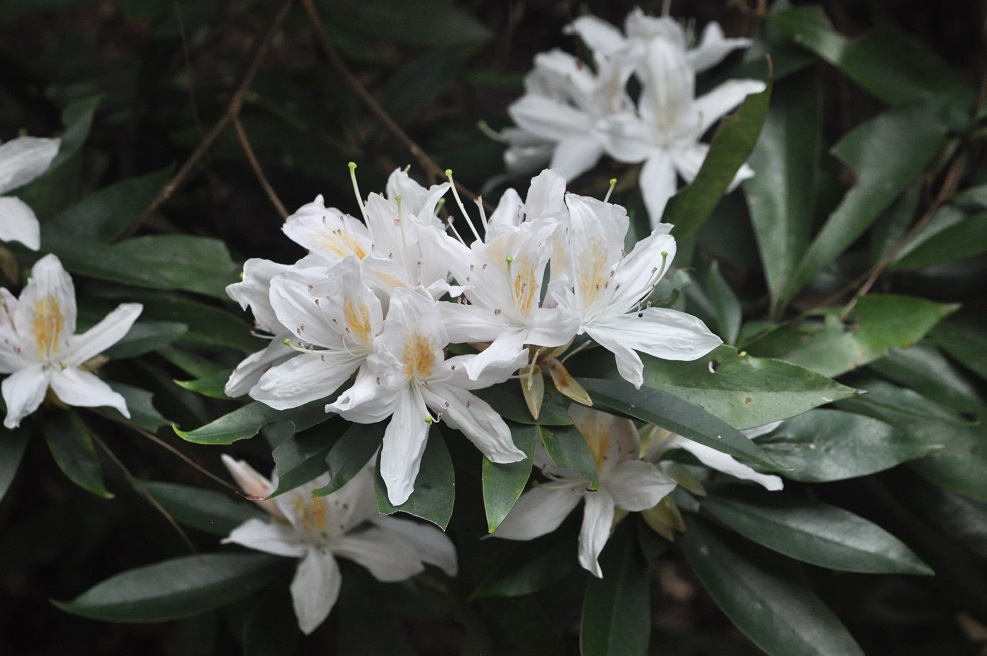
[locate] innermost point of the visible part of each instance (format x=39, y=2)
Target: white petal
x=301, y=313
x=309, y=376
x=546, y=196
x=763, y=429
x=598, y=512
x=627, y=138
x=549, y=119
x=476, y=419
x=23, y=159
x=254, y=291
x=434, y=547
x=47, y=303
x=270, y=537
x=745, y=172
x=538, y=512
x=253, y=484
x=85, y=390
x=724, y=463
x=712, y=106
x=366, y=401
x=315, y=588
x=23, y=391
x=249, y=371
x=663, y=333
x=386, y=555
x=629, y=364
x=404, y=443
x=713, y=47
x=658, y=184
x=470, y=323
x=598, y=34
x=327, y=232
x=576, y=154
x=103, y=335
x=507, y=349
x=18, y=223
x=636, y=485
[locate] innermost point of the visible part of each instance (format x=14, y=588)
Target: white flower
x=603, y=289
x=329, y=235
x=406, y=377
x=625, y=482
x=39, y=347
x=22, y=160
x=343, y=524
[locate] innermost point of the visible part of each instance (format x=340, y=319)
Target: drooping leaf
x=247, y=421
x=12, y=446
x=435, y=486
x=210, y=511
x=176, y=588
x=678, y=416
x=212, y=385
x=726, y=305
x=831, y=445
x=351, y=453
x=731, y=146
x=72, y=447
x=811, y=531
x=764, y=596
x=567, y=448
x=503, y=483
x=879, y=323
x=616, y=618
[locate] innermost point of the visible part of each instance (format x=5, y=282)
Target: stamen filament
x=462, y=208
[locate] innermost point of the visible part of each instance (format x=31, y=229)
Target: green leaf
x=207, y=325
x=247, y=421
x=107, y=214
x=616, y=619
x=194, y=264
x=431, y=24
x=507, y=401
x=811, y=531
x=567, y=448
x=534, y=565
x=503, y=483
x=525, y=622
x=964, y=336
x=886, y=154
x=351, y=453
x=781, y=195
x=879, y=323
x=763, y=595
x=924, y=369
x=832, y=445
x=418, y=82
x=176, y=588
x=966, y=238
x=209, y=511
x=435, y=486
x=70, y=444
x=678, y=416
x=145, y=337
x=213, y=385
x=888, y=63
x=731, y=146
x=726, y=306
x=302, y=458
x=12, y=446
x=141, y=407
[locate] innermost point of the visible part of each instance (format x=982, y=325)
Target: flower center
x=418, y=356
x=357, y=320
x=47, y=321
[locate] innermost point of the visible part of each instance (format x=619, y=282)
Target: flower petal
x=549, y=119
x=598, y=34
x=23, y=159
x=85, y=390
x=658, y=184
x=713, y=47
x=272, y=537
x=366, y=401
x=434, y=547
x=309, y=376
x=476, y=419
x=103, y=335
x=386, y=555
x=636, y=485
x=724, y=463
x=598, y=512
x=576, y=154
x=45, y=315
x=18, y=223
x=23, y=391
x=404, y=443
x=315, y=588
x=249, y=371
x=253, y=484
x=712, y=106
x=538, y=512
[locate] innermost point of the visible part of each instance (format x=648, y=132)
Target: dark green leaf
x=964, y=336
x=435, y=486
x=811, y=531
x=678, y=416
x=534, y=565
x=207, y=325
x=725, y=305
x=832, y=445
x=924, y=369
x=146, y=336
x=351, y=453
x=195, y=264
x=764, y=596
x=302, y=458
x=423, y=23
x=507, y=400
x=528, y=626
x=12, y=446
x=213, y=385
x=731, y=146
x=879, y=323
x=616, y=619
x=213, y=512
x=247, y=421
x=176, y=588
x=503, y=483
x=70, y=444
x=141, y=407
x=567, y=448
x=966, y=238
x=419, y=82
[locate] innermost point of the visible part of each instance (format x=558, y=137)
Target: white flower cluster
x=22, y=160
x=572, y=114
x=382, y=301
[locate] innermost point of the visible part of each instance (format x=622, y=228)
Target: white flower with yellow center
x=407, y=378
x=344, y=524
x=625, y=482
x=22, y=160
x=39, y=347
x=603, y=289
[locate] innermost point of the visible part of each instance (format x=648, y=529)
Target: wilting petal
x=23, y=159
x=315, y=588
x=85, y=390
x=309, y=376
x=386, y=555
x=103, y=335
x=476, y=419
x=598, y=512
x=18, y=223
x=538, y=512
x=636, y=485
x=724, y=463
x=434, y=547
x=404, y=443
x=23, y=391
x=270, y=537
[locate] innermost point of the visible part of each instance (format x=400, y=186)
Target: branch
x=258, y=171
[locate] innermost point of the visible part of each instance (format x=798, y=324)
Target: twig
x=188, y=68
x=258, y=171
x=232, y=111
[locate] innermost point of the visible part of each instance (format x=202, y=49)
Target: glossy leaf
x=567, y=448
x=509, y=403
x=351, y=453
x=145, y=337
x=781, y=195
x=195, y=264
x=725, y=304
x=966, y=238
x=964, y=336
x=212, y=385
x=12, y=446
x=616, y=619
x=927, y=371
x=70, y=444
x=435, y=486
x=176, y=588
x=207, y=325
x=216, y=513
x=140, y=403
x=247, y=421
x=503, y=483
x=302, y=458
x=678, y=416
x=764, y=596
x=831, y=445
x=731, y=146
x=879, y=323
x=812, y=532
